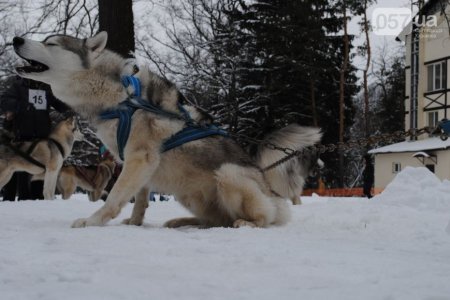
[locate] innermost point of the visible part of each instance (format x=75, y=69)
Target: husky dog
x=91, y=179
x=49, y=152
x=288, y=179
x=213, y=177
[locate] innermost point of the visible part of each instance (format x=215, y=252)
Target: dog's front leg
x=140, y=205
x=50, y=179
x=135, y=174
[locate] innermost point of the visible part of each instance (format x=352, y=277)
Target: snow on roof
x=405, y=32
x=414, y=146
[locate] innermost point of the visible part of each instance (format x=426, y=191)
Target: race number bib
x=38, y=99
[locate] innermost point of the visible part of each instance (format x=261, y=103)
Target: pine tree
x=297, y=54
x=263, y=64
x=392, y=106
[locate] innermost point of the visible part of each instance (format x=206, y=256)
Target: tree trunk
x=342, y=93
x=116, y=18
x=313, y=102
x=366, y=70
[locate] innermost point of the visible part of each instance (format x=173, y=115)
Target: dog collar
x=134, y=82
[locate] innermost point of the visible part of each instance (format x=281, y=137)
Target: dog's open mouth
x=33, y=67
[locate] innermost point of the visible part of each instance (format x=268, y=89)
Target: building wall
x=434, y=45
x=443, y=165
x=384, y=165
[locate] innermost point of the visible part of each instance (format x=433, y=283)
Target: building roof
x=429, y=4
x=434, y=143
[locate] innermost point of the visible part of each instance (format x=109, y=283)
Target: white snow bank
x=334, y=248
x=418, y=188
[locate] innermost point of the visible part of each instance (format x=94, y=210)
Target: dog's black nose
x=18, y=41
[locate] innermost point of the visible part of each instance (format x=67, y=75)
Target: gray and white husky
x=213, y=177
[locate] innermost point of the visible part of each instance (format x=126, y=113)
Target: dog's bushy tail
x=288, y=178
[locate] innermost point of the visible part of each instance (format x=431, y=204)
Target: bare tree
x=199, y=54
x=368, y=52
x=61, y=16
x=40, y=18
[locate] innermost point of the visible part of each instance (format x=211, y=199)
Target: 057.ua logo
x=391, y=21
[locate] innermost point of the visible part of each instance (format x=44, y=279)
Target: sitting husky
x=50, y=153
x=91, y=179
x=213, y=177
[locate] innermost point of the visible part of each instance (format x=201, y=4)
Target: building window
x=396, y=167
x=433, y=119
x=437, y=76
x=430, y=167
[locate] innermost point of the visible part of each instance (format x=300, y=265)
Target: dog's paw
x=172, y=224
x=49, y=197
x=243, y=223
x=79, y=223
x=132, y=221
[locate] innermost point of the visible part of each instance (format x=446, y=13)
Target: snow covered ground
x=395, y=246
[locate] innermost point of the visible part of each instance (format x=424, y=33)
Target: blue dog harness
x=125, y=110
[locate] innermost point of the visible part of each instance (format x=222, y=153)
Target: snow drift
x=419, y=188
x=394, y=246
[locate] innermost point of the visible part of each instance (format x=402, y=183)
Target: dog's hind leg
x=135, y=174
x=68, y=191
x=5, y=175
x=95, y=194
x=180, y=222
x=65, y=185
x=240, y=193
x=140, y=205
x=296, y=200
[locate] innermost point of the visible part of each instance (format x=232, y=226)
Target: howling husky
x=213, y=177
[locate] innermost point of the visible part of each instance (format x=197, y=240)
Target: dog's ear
x=98, y=42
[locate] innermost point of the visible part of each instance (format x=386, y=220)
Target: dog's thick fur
x=213, y=177
x=92, y=179
x=45, y=152
x=288, y=179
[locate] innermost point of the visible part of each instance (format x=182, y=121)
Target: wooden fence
x=354, y=192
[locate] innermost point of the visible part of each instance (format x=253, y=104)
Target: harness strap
x=108, y=167
x=32, y=147
x=124, y=113
x=84, y=174
x=133, y=81
x=58, y=145
x=125, y=110
x=189, y=134
x=26, y=156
